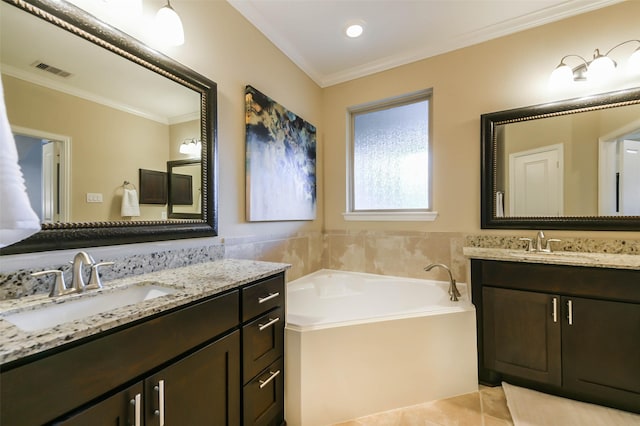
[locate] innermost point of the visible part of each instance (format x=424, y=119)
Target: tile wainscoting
x=401, y=253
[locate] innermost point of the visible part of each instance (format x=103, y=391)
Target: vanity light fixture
x=191, y=147
x=169, y=26
x=599, y=69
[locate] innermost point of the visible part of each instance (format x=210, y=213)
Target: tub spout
x=453, y=289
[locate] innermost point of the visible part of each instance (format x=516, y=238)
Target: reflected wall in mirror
x=185, y=186
x=89, y=108
x=566, y=165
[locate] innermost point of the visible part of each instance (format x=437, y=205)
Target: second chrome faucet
x=77, y=279
x=539, y=242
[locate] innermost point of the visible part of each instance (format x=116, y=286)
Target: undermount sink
x=556, y=255
x=73, y=308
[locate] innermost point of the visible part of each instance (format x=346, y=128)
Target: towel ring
x=126, y=182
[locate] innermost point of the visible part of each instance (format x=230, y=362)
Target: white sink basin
x=556, y=255
x=78, y=307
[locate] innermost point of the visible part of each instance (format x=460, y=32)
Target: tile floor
x=487, y=407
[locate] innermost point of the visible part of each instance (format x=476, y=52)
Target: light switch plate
x=94, y=197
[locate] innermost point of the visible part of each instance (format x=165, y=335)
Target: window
x=389, y=165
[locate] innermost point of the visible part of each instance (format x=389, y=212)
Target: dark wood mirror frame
x=57, y=236
x=488, y=217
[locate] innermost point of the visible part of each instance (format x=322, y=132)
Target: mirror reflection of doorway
x=536, y=182
x=619, y=180
x=43, y=158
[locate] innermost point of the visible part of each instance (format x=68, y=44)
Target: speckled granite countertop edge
x=192, y=283
x=596, y=260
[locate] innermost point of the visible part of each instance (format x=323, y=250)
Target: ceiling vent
x=49, y=68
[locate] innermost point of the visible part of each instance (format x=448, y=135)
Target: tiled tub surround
x=191, y=282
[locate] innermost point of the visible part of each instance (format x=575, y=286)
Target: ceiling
x=396, y=32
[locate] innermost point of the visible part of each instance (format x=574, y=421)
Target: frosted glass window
x=390, y=157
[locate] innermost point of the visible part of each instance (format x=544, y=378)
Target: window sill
x=391, y=216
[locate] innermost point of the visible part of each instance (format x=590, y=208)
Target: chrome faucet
x=539, y=243
x=77, y=280
x=453, y=290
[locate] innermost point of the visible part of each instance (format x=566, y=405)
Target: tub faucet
x=453, y=290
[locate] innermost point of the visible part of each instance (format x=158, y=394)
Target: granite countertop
x=191, y=283
x=597, y=260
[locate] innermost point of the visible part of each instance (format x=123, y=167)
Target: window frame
x=351, y=214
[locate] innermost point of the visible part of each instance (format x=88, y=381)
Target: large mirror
x=90, y=108
x=566, y=165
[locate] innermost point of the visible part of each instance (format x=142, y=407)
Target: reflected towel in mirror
x=130, y=206
x=17, y=219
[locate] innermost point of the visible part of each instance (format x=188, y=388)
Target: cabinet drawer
x=262, y=297
x=264, y=397
x=262, y=342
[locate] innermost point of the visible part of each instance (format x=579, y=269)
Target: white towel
x=130, y=206
x=17, y=219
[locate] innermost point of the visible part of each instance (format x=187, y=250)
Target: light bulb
x=354, y=30
x=601, y=68
x=562, y=76
x=634, y=62
x=169, y=26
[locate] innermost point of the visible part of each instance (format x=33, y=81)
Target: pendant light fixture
x=599, y=69
x=169, y=26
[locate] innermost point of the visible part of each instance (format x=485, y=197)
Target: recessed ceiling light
x=354, y=30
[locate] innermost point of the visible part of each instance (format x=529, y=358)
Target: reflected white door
x=630, y=178
x=535, y=182
x=49, y=182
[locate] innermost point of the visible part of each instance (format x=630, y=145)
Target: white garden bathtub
x=357, y=344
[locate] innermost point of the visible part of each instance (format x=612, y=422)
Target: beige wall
x=505, y=73
x=224, y=47
x=103, y=154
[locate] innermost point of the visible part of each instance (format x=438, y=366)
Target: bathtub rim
x=465, y=306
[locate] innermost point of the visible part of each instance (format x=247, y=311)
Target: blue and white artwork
x=280, y=162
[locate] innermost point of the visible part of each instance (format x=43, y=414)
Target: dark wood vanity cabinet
x=194, y=388
x=216, y=361
x=567, y=330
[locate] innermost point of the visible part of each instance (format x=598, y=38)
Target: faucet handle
x=529, y=243
x=59, y=287
x=549, y=241
x=94, y=281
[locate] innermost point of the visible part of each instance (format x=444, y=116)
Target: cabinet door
x=121, y=409
x=522, y=334
x=200, y=389
x=601, y=350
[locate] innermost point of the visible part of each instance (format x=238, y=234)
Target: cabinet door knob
x=269, y=324
x=269, y=297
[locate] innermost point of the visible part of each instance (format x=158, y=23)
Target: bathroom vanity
x=210, y=352
x=559, y=327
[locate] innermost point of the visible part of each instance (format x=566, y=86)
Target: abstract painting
x=280, y=161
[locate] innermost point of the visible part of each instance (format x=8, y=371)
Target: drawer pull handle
x=273, y=375
x=160, y=412
x=570, y=313
x=269, y=297
x=269, y=324
x=136, y=409
x=555, y=309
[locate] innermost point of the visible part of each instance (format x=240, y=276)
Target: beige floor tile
x=493, y=421
x=494, y=402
